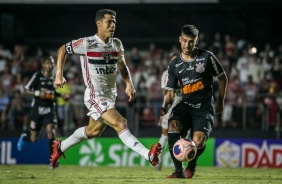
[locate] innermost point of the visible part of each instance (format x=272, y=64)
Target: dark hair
x=100, y=14
x=47, y=58
x=190, y=30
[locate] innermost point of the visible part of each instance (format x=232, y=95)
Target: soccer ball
x=184, y=150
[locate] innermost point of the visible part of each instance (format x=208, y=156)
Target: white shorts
x=98, y=105
x=177, y=99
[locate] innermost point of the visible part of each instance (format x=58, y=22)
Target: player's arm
x=28, y=88
x=62, y=55
x=168, y=101
x=74, y=47
x=222, y=84
x=220, y=74
x=125, y=74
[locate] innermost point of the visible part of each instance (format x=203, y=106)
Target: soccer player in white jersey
x=164, y=119
x=100, y=56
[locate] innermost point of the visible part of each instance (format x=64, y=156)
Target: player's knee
x=120, y=124
x=92, y=131
x=199, y=142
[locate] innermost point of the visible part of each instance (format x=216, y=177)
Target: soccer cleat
x=189, y=173
x=56, y=154
x=158, y=167
x=56, y=166
x=21, y=142
x=190, y=169
x=154, y=154
x=176, y=174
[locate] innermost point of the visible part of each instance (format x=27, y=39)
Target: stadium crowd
x=253, y=99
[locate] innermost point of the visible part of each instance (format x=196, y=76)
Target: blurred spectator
x=135, y=57
x=4, y=102
x=154, y=96
x=276, y=70
x=63, y=108
x=255, y=69
x=18, y=57
x=16, y=113
x=243, y=67
x=78, y=108
x=230, y=49
x=232, y=112
x=7, y=81
x=272, y=111
x=5, y=56
x=251, y=91
x=217, y=44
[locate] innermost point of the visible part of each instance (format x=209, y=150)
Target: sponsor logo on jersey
x=180, y=71
x=77, y=43
x=200, y=59
x=190, y=68
x=105, y=70
x=200, y=67
x=106, y=56
x=188, y=81
x=177, y=65
x=193, y=87
x=196, y=106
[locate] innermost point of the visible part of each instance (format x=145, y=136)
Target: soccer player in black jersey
x=194, y=68
x=41, y=87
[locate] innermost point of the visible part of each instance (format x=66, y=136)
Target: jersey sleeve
x=77, y=46
x=217, y=69
x=32, y=83
x=171, y=78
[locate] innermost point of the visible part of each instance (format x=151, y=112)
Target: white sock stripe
x=173, y=132
x=84, y=133
x=122, y=131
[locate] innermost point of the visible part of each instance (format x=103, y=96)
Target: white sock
x=132, y=142
x=77, y=137
x=163, y=140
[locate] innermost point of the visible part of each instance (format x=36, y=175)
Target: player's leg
x=119, y=124
x=51, y=132
x=200, y=133
x=163, y=138
x=174, y=129
x=34, y=128
x=93, y=129
x=178, y=125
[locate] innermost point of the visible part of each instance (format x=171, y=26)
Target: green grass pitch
x=25, y=174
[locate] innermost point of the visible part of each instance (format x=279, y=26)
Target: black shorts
x=41, y=116
x=195, y=119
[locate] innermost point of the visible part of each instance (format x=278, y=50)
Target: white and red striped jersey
x=98, y=63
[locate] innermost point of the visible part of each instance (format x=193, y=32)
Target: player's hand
x=60, y=81
x=219, y=108
x=65, y=96
x=163, y=111
x=130, y=91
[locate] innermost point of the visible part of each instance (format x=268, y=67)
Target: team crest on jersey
x=200, y=67
x=106, y=56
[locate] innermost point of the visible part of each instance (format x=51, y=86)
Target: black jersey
x=39, y=82
x=195, y=77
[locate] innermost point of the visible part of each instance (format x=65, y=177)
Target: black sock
x=27, y=137
x=172, y=138
x=51, y=142
x=193, y=163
